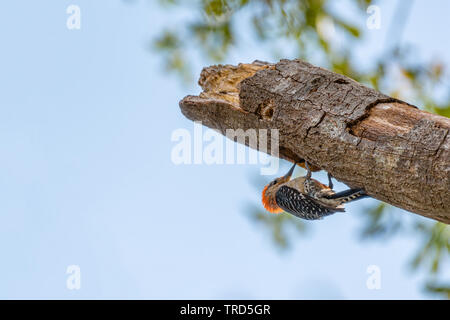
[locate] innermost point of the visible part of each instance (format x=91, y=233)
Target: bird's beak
x=289, y=174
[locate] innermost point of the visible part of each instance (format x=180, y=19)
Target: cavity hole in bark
x=266, y=110
x=341, y=81
x=268, y=113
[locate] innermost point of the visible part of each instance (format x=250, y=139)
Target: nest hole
x=266, y=110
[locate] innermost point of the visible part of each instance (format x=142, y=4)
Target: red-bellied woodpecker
x=305, y=197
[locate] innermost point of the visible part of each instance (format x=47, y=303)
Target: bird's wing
x=302, y=205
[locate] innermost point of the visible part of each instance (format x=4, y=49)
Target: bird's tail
x=349, y=195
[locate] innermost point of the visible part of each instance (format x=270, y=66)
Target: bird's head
x=270, y=190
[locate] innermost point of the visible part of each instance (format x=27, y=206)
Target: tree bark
x=396, y=152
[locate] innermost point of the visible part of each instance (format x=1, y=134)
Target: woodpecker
x=305, y=197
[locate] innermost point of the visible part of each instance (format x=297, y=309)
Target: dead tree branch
x=396, y=152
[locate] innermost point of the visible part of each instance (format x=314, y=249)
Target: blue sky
x=86, y=177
